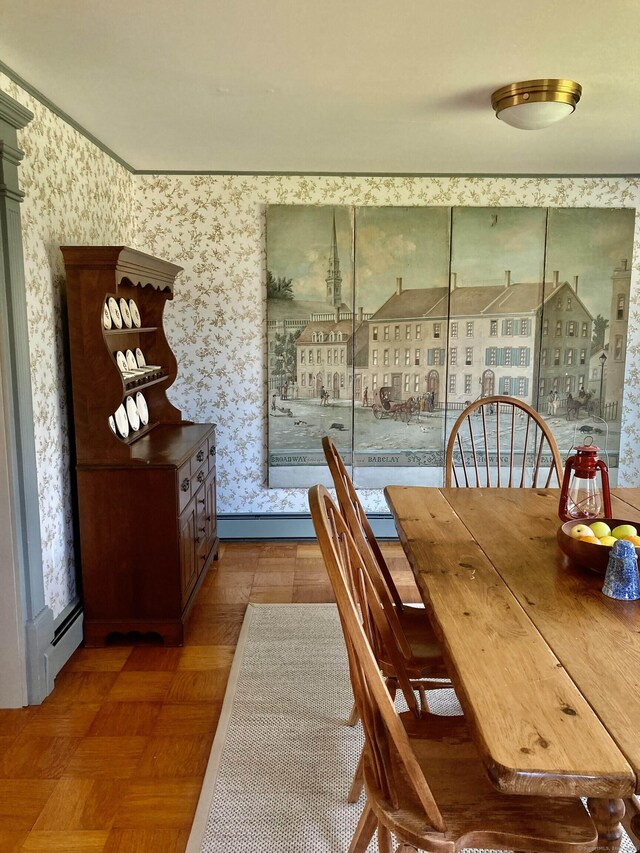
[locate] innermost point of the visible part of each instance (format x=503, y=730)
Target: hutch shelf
x=146, y=478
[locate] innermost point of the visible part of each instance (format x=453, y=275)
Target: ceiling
x=337, y=86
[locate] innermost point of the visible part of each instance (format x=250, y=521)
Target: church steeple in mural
x=334, y=279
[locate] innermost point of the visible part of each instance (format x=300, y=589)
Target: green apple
x=579, y=530
x=624, y=530
x=600, y=529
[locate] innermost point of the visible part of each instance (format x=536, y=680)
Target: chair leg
x=358, y=781
x=406, y=848
x=392, y=687
x=354, y=716
x=364, y=830
x=424, y=703
x=385, y=840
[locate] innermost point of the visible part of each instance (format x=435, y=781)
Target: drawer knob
x=200, y=477
x=197, y=539
x=201, y=501
x=212, y=451
x=203, y=530
x=184, y=485
x=200, y=455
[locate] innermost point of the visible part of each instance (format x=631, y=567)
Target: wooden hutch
x=146, y=495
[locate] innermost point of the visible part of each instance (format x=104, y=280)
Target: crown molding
x=35, y=93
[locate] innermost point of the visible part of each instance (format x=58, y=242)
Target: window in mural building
x=365, y=307
x=620, y=308
x=617, y=353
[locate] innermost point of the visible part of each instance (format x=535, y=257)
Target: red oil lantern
x=581, y=496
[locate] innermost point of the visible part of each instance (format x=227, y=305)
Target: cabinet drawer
x=200, y=456
x=198, y=478
x=184, y=486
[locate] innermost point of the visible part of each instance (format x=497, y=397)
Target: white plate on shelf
x=121, y=361
x=126, y=314
x=143, y=409
x=116, y=316
x=140, y=359
x=135, y=314
x=112, y=424
x=106, y=316
x=132, y=414
x=122, y=422
x=131, y=361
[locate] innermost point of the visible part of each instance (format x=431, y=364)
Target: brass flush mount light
x=535, y=104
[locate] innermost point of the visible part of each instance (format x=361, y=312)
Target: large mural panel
x=310, y=338
x=402, y=282
x=442, y=306
x=584, y=326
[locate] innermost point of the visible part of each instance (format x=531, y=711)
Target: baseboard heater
x=288, y=526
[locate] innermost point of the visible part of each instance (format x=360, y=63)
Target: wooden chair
x=407, y=650
x=423, y=779
x=411, y=630
x=502, y=442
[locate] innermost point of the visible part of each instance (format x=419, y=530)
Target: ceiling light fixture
x=535, y=104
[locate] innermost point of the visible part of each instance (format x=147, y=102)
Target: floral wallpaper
x=214, y=226
x=74, y=193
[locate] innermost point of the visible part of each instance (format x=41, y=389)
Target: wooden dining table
x=546, y=667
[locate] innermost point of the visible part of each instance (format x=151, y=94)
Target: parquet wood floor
x=113, y=760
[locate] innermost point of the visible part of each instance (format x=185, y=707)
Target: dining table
x=546, y=667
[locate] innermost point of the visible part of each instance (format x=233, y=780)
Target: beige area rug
x=283, y=756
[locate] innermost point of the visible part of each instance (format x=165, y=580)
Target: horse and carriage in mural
x=384, y=406
x=581, y=406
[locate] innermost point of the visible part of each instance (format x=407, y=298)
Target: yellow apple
x=623, y=530
x=600, y=529
x=579, y=530
x=608, y=540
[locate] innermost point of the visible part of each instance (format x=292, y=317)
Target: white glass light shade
x=535, y=116
x=534, y=104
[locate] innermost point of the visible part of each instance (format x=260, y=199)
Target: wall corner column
x=15, y=374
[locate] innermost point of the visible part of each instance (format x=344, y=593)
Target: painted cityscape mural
x=385, y=322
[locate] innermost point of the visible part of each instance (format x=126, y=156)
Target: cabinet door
x=188, y=562
x=210, y=505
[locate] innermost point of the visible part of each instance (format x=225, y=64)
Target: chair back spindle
x=489, y=427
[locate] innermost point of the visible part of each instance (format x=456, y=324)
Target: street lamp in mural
x=602, y=360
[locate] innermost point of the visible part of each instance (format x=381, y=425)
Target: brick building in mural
x=465, y=342
x=618, y=329
x=331, y=353
x=565, y=345
x=288, y=319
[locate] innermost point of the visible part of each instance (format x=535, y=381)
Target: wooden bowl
x=594, y=557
